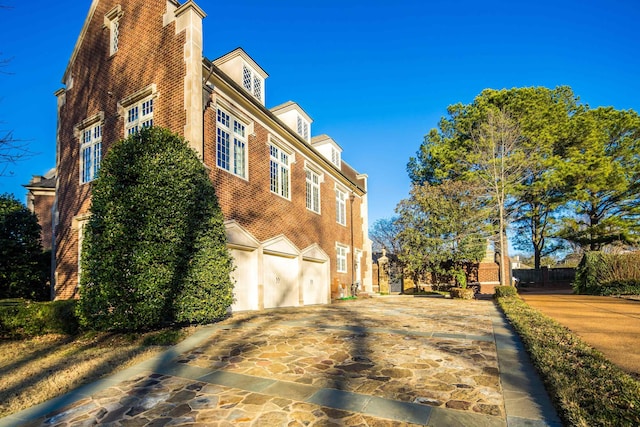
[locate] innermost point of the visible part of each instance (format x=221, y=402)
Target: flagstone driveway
x=377, y=362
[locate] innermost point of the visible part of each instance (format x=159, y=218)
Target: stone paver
x=389, y=361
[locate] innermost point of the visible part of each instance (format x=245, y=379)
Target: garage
x=315, y=276
x=244, y=249
x=281, y=261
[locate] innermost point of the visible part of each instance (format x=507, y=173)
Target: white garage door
x=280, y=281
x=245, y=274
x=315, y=282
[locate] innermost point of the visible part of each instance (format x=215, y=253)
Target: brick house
x=41, y=195
x=296, y=213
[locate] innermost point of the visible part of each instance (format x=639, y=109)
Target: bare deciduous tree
x=497, y=163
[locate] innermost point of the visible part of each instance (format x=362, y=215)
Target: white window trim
x=256, y=82
x=80, y=222
x=291, y=159
x=303, y=128
x=142, y=119
x=90, y=124
x=336, y=157
x=234, y=118
x=112, y=22
x=345, y=258
x=144, y=94
x=344, y=205
x=320, y=175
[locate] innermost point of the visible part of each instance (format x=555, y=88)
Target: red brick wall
x=148, y=53
x=266, y=215
x=488, y=272
x=42, y=205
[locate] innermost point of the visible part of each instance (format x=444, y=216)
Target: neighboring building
x=41, y=194
x=296, y=213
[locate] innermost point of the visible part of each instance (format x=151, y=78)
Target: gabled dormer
x=328, y=148
x=243, y=70
x=295, y=117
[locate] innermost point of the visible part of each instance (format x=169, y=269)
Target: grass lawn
x=34, y=370
x=585, y=387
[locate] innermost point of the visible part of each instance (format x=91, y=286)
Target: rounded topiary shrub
x=155, y=248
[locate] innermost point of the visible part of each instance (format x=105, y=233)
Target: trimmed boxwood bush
x=608, y=274
x=505, y=291
x=21, y=318
x=155, y=246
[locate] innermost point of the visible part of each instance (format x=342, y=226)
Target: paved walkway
x=387, y=361
x=609, y=324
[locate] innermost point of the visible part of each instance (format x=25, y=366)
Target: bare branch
x=12, y=151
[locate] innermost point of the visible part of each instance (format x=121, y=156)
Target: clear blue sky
x=374, y=75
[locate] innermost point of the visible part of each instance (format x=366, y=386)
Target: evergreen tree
x=155, y=245
x=24, y=268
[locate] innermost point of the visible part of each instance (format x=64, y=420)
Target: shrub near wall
x=155, y=245
x=608, y=274
x=21, y=318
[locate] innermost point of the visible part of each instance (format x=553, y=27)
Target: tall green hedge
x=155, y=247
x=608, y=274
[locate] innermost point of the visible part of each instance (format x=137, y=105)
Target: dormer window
x=335, y=156
x=252, y=82
x=243, y=70
x=112, y=23
x=295, y=118
x=303, y=128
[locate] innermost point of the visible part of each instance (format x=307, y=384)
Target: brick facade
x=158, y=41
x=41, y=194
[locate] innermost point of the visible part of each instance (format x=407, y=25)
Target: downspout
x=352, y=198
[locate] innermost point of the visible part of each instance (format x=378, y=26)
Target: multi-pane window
x=138, y=116
x=303, y=128
x=114, y=35
x=90, y=152
x=257, y=87
x=112, y=23
x=335, y=156
x=341, y=207
x=279, y=165
x=313, y=191
x=341, y=258
x=231, y=144
x=252, y=82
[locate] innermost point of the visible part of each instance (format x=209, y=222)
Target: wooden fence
x=544, y=276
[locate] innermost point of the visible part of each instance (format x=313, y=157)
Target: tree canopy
x=602, y=173
x=443, y=227
x=579, y=179
x=155, y=246
x=24, y=269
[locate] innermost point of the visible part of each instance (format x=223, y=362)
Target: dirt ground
x=609, y=324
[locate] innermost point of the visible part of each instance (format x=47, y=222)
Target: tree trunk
x=503, y=251
x=593, y=222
